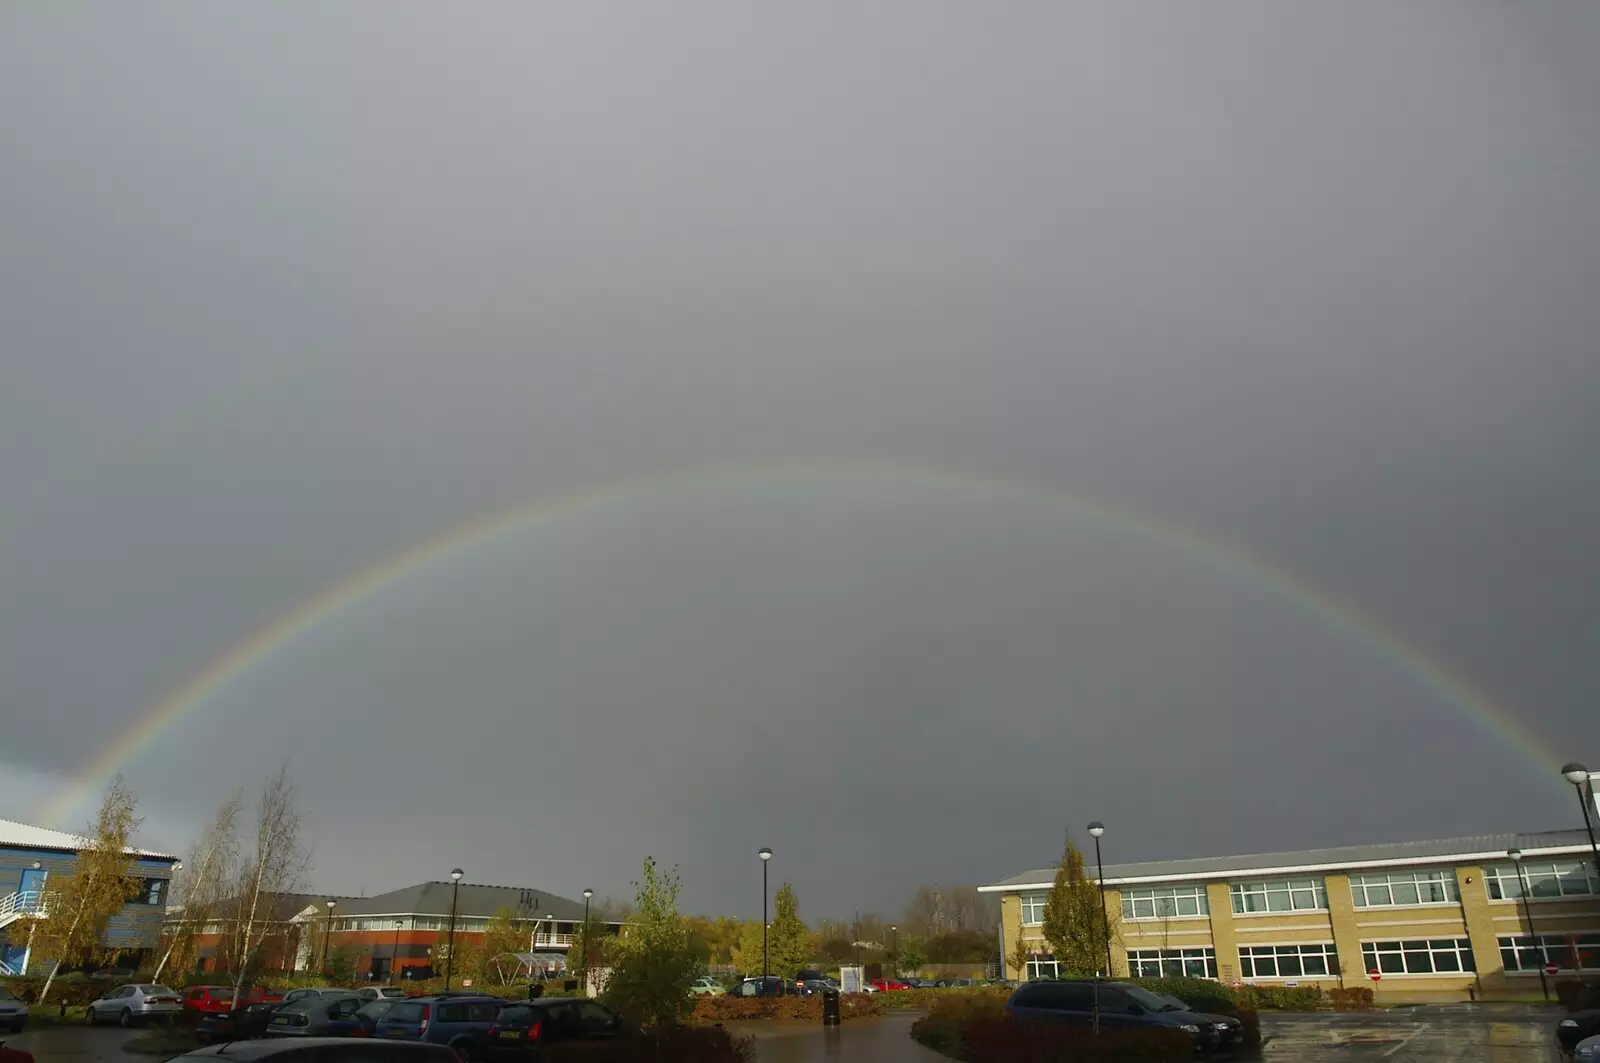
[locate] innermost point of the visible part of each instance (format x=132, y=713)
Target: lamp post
x=894, y=951
x=1095, y=830
x=766, y=855
x=450, y=948
x=1527, y=913
x=394, y=954
x=326, y=934
x=584, y=959
x=1583, y=782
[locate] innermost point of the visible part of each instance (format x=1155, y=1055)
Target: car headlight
x=1221, y=1026
x=1189, y=1027
x=1568, y=1022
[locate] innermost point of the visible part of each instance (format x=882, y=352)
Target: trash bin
x=830, y=1007
x=569, y=986
x=536, y=990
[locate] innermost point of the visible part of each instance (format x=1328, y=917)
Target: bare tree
x=77, y=912
x=213, y=859
x=277, y=866
x=925, y=912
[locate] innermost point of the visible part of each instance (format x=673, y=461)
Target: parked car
x=1573, y=1029
x=888, y=985
x=319, y=1016
x=1586, y=1050
x=13, y=1012
x=207, y=999
x=370, y=1013
x=769, y=986
x=1115, y=1005
x=240, y=1024
x=956, y=983
x=706, y=986
x=128, y=1004
x=320, y=991
x=14, y=1055
x=813, y=986
x=1230, y=1031
x=322, y=1050
x=461, y=1023
x=381, y=992
x=525, y=1027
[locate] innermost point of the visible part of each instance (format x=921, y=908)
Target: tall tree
x=655, y=965
x=924, y=914
x=788, y=942
x=1073, y=923
x=501, y=935
x=277, y=866
x=203, y=883
x=79, y=909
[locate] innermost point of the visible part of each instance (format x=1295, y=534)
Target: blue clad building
x=33, y=859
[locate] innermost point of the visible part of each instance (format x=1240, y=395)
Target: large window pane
x=1405, y=893
x=1391, y=963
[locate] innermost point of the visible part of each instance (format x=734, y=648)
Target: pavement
x=1461, y=1033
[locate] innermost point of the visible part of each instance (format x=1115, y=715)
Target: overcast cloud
x=286, y=289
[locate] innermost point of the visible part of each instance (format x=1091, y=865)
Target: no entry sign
x=1375, y=974
x=1551, y=969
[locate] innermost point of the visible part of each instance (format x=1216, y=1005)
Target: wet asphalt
x=1452, y=1034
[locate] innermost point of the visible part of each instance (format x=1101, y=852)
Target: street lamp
x=326, y=934
x=1579, y=777
x=766, y=855
x=394, y=956
x=1095, y=830
x=585, y=958
x=894, y=951
x=1527, y=913
x=450, y=953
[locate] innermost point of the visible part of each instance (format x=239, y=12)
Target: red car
x=888, y=985
x=218, y=999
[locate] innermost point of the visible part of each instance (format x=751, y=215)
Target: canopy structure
x=517, y=966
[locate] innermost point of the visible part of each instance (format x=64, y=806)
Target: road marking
x=1405, y=1041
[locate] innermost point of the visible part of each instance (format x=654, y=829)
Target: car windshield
x=1173, y=1003
x=1145, y=999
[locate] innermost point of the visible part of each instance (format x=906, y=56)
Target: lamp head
x=1515, y=854
x=331, y=903
x=765, y=853
x=1575, y=773
x=587, y=894
x=1096, y=829
x=455, y=876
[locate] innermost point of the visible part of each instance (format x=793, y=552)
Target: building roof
x=1383, y=854
x=475, y=901
x=25, y=836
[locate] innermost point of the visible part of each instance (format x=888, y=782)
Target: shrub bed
x=1299, y=998
x=1202, y=994
x=1356, y=998
x=975, y=1028
x=709, y=1010
x=942, y=1027
x=923, y=999
x=72, y=988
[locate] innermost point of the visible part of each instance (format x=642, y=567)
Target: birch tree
x=79, y=909
x=210, y=872
x=1073, y=921
x=277, y=866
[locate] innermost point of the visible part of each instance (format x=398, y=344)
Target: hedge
x=73, y=988
x=976, y=1028
x=739, y=1009
x=1356, y=998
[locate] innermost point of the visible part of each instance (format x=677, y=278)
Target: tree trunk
x=45, y=992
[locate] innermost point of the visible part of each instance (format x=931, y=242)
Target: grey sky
x=287, y=289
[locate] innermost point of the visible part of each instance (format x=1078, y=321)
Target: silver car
x=128, y=1004
x=381, y=992
x=13, y=1012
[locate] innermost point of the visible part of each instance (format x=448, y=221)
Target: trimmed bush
x=1356, y=998
x=709, y=1010
x=1201, y=994
x=1300, y=998
x=941, y=1028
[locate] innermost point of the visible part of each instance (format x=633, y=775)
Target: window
x=452, y=1013
x=151, y=891
x=1439, y=956
x=592, y=1018
x=1033, y=908
x=1057, y=996
x=1172, y=963
x=1404, y=887
x=1569, y=952
x=1041, y=965
x=1165, y=903
x=1280, y=895
x=1288, y=961
x=1559, y=878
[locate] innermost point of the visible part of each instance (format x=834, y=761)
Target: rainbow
x=304, y=618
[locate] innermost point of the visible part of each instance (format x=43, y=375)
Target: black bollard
x=830, y=1007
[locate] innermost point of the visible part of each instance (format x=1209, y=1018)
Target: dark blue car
x=461, y=1022
x=1114, y=1005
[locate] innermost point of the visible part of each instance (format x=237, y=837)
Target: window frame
x=1327, y=950
x=1238, y=891
x=1035, y=966
x=1552, y=948
x=1374, y=956
x=1154, y=895
x=1360, y=897
x=1182, y=956
x=1496, y=875
x=1036, y=902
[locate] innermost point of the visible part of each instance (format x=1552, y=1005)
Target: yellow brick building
x=1439, y=919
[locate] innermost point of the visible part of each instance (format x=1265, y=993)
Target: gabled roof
x=475, y=901
x=1346, y=857
x=25, y=836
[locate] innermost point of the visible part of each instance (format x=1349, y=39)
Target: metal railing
x=24, y=903
x=549, y=940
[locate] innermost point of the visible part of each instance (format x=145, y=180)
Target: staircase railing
x=23, y=903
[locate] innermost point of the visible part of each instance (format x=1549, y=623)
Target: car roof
x=463, y=996
x=264, y=1049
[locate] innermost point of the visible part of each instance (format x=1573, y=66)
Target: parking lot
x=1455, y=1033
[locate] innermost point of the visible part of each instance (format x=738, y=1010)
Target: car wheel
x=125, y=1019
x=88, y=1016
x=467, y=1052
